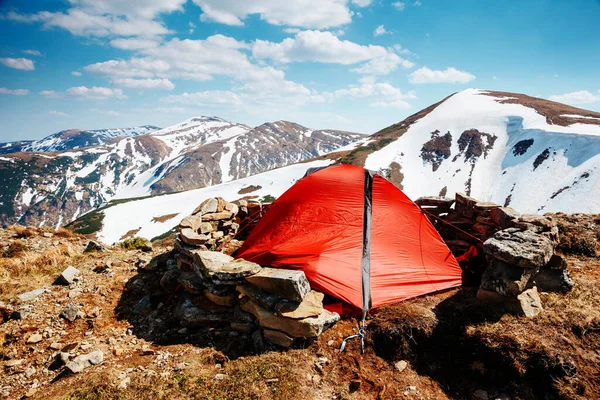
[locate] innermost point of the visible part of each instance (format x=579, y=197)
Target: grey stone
x=220, y=294
x=192, y=316
x=525, y=249
x=82, y=362
x=143, y=306
x=70, y=312
x=13, y=363
x=258, y=340
x=169, y=280
x=278, y=338
x=217, y=216
x=504, y=216
x=192, y=238
x=480, y=395
x=94, y=246
x=290, y=284
x=311, y=306
x=506, y=279
x=235, y=270
x=401, y=365
x=435, y=201
x=553, y=280
x=191, y=282
x=307, y=327
x=207, y=262
x=28, y=296
x=67, y=276
x=207, y=206
x=35, y=338
x=264, y=299
x=192, y=222
x=530, y=303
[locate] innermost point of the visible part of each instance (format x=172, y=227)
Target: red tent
x=356, y=236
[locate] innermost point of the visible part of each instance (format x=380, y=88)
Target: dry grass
x=15, y=248
x=31, y=269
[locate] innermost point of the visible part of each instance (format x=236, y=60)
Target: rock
x=217, y=234
x=13, y=363
x=480, y=395
x=124, y=383
x=192, y=222
x=68, y=276
x=143, y=306
x=191, y=282
x=307, y=327
x=35, y=338
x=82, y=362
x=243, y=321
x=235, y=270
x=220, y=377
x=192, y=238
x=222, y=298
x=525, y=249
x=192, y=316
x=30, y=372
x=278, y=338
x=553, y=280
x=541, y=221
x=504, y=216
x=146, y=263
x=28, y=296
x=56, y=346
x=311, y=306
x=264, y=299
x=506, y=279
x=485, y=206
x=258, y=340
x=170, y=279
x=94, y=246
x=217, y=216
x=286, y=283
x=207, y=206
x=207, y=262
x=401, y=365
x=70, y=312
x=435, y=201
x=530, y=303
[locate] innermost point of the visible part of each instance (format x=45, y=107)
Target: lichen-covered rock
x=236, y=269
x=290, y=284
x=525, y=249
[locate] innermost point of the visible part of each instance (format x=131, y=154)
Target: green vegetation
x=267, y=199
x=134, y=243
x=88, y=223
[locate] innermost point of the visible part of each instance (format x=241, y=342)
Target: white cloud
x=32, y=52
x=18, y=63
x=57, y=113
x=398, y=5
x=417, y=3
x=579, y=97
x=292, y=30
x=380, y=30
x=361, y=3
x=76, y=73
x=192, y=27
x=206, y=98
x=383, y=94
x=391, y=104
x=51, y=94
x=81, y=23
x=449, y=75
x=316, y=46
x=14, y=92
x=134, y=43
x=383, y=65
x=160, y=83
x=95, y=93
x=134, y=67
x=301, y=13
x=146, y=9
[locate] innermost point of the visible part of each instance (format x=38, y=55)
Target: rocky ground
x=89, y=336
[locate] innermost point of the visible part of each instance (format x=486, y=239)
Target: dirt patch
x=130, y=233
x=249, y=189
x=164, y=218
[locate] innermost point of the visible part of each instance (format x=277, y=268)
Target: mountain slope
x=74, y=139
x=56, y=187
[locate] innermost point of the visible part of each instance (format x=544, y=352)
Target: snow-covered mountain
x=74, y=139
x=531, y=154
x=54, y=188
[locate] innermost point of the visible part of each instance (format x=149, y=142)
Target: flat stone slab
x=207, y=262
x=506, y=279
x=264, y=299
x=525, y=249
x=217, y=216
x=278, y=338
x=28, y=296
x=191, y=315
x=311, y=306
x=298, y=328
x=192, y=238
x=67, y=276
x=191, y=282
x=80, y=363
x=192, y=221
x=236, y=269
x=289, y=284
x=207, y=206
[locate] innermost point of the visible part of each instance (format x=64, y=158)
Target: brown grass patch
x=29, y=270
x=249, y=189
x=15, y=248
x=130, y=233
x=23, y=231
x=164, y=218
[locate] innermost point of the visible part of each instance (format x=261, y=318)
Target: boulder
x=67, y=276
x=311, y=306
x=264, y=299
x=290, y=284
x=207, y=262
x=553, y=280
x=191, y=282
x=207, y=206
x=191, y=315
x=525, y=249
x=217, y=216
x=192, y=222
x=306, y=328
x=504, y=216
x=192, y=238
x=93, y=246
x=82, y=362
x=70, y=312
x=530, y=303
x=506, y=279
x=278, y=338
x=542, y=221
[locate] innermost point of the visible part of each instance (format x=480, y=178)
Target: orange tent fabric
x=356, y=236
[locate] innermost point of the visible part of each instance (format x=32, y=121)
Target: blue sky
x=358, y=65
